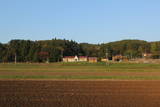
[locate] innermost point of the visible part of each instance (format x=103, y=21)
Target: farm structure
x=92, y=59
x=83, y=58
x=147, y=55
x=119, y=58
x=115, y=58
x=79, y=59
x=104, y=60
x=70, y=59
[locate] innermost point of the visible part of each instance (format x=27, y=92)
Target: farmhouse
x=147, y=55
x=83, y=58
x=70, y=59
x=119, y=58
x=92, y=59
x=79, y=59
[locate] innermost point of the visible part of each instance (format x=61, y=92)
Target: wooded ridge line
x=54, y=50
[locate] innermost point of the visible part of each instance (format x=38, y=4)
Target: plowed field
x=79, y=93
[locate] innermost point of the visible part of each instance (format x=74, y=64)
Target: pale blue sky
x=93, y=21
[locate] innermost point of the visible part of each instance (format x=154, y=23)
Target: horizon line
x=77, y=41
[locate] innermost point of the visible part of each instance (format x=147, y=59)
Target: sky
x=92, y=21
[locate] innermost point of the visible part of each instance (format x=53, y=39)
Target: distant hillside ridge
x=54, y=50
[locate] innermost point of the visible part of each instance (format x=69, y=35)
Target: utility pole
x=15, y=59
x=107, y=62
x=61, y=54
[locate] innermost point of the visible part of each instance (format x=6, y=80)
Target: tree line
x=54, y=50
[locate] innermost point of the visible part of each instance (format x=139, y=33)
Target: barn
x=83, y=58
x=92, y=59
x=119, y=58
x=70, y=59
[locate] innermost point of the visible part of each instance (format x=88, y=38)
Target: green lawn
x=79, y=70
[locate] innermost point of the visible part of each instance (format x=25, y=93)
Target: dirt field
x=28, y=73
x=79, y=93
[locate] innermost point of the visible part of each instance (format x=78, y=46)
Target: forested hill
x=53, y=50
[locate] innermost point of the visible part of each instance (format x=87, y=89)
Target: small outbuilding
x=92, y=59
x=119, y=58
x=83, y=58
x=70, y=59
x=104, y=60
x=147, y=55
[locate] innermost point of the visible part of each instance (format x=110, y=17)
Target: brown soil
x=105, y=93
x=30, y=73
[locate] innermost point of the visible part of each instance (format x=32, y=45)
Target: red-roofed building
x=147, y=55
x=83, y=58
x=92, y=59
x=79, y=59
x=119, y=58
x=70, y=59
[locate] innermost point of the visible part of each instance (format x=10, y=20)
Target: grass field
x=80, y=71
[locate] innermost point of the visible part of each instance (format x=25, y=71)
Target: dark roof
x=92, y=57
x=83, y=57
x=69, y=57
